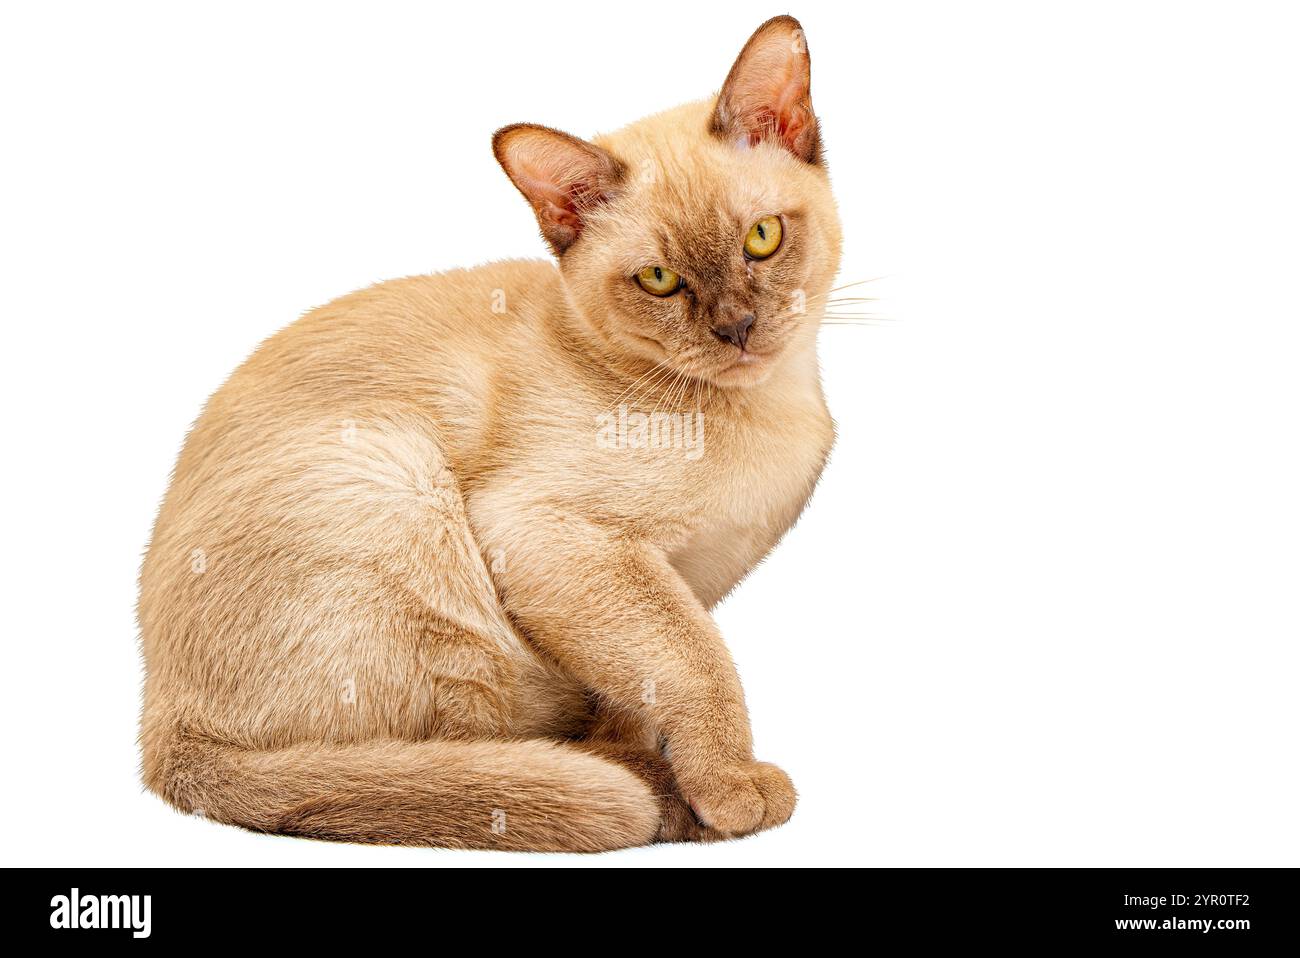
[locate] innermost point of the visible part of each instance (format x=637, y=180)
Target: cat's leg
x=609, y=607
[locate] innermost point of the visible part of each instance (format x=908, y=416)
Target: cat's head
x=703, y=238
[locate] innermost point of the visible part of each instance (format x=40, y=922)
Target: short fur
x=399, y=593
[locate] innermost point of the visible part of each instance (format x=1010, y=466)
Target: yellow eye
x=764, y=237
x=659, y=280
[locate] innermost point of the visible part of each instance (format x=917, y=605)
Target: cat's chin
x=748, y=370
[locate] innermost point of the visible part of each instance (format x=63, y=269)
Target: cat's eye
x=764, y=238
x=659, y=281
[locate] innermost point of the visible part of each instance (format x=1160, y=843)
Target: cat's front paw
x=741, y=799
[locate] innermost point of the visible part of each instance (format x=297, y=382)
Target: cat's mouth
x=734, y=367
x=748, y=368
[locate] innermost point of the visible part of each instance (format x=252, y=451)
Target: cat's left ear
x=562, y=177
x=767, y=93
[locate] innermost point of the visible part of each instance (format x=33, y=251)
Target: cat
x=401, y=591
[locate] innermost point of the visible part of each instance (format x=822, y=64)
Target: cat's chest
x=747, y=496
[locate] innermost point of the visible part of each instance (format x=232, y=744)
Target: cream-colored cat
x=435, y=564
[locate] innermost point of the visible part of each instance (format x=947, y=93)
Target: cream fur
x=398, y=592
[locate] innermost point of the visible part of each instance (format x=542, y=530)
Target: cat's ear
x=562, y=177
x=767, y=93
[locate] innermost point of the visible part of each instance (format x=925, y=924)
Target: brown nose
x=738, y=332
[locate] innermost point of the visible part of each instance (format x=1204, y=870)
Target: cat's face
x=703, y=239
x=710, y=257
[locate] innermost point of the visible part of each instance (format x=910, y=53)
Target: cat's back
x=379, y=386
x=397, y=337
x=422, y=347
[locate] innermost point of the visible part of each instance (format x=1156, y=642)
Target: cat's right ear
x=562, y=177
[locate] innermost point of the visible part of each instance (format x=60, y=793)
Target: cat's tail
x=532, y=795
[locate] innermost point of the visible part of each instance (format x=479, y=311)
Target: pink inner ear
x=776, y=105
x=788, y=127
x=789, y=88
x=563, y=217
x=549, y=197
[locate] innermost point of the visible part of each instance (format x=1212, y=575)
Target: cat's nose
x=736, y=333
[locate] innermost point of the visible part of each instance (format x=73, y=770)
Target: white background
x=1043, y=607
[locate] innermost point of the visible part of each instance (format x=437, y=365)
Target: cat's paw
x=679, y=823
x=742, y=799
